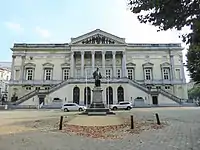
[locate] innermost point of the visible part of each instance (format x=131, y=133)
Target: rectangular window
x=17, y=73
x=118, y=73
x=47, y=88
x=88, y=72
x=158, y=87
x=147, y=74
x=48, y=74
x=130, y=74
x=65, y=74
x=167, y=87
x=166, y=74
x=178, y=74
x=78, y=73
x=28, y=88
x=108, y=73
x=37, y=88
x=29, y=74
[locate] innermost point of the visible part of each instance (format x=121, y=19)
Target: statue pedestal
x=97, y=107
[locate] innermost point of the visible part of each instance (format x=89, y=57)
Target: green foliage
x=193, y=62
x=169, y=14
x=194, y=93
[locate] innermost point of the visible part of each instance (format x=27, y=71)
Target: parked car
x=121, y=105
x=72, y=107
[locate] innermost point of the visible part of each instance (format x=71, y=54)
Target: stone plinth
x=97, y=95
x=97, y=107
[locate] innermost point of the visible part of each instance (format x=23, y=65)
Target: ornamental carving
x=98, y=39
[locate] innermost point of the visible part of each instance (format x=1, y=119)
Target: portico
x=89, y=60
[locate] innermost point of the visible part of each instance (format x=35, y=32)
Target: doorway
x=76, y=95
x=155, y=100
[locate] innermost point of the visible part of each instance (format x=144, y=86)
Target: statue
x=97, y=76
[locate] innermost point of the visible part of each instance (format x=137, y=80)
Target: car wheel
x=128, y=108
x=80, y=109
x=114, y=108
x=66, y=110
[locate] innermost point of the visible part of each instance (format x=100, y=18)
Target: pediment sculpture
x=98, y=39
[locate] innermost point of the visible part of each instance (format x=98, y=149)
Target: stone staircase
x=36, y=92
x=64, y=83
x=160, y=91
x=170, y=96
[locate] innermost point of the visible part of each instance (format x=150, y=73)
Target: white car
x=72, y=107
x=122, y=105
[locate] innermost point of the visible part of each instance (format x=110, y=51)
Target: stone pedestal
x=97, y=107
x=97, y=101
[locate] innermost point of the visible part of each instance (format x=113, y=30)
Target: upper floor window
x=48, y=74
x=108, y=73
x=148, y=74
x=166, y=74
x=167, y=87
x=78, y=73
x=29, y=74
x=118, y=73
x=177, y=73
x=130, y=74
x=65, y=74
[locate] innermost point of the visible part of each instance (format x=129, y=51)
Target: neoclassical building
x=43, y=73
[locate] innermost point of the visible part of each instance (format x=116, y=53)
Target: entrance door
x=76, y=95
x=155, y=100
x=41, y=99
x=120, y=94
x=109, y=95
x=87, y=96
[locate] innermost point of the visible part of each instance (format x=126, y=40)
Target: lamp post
x=86, y=94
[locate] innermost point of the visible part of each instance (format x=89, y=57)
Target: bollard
x=132, y=125
x=157, y=118
x=61, y=122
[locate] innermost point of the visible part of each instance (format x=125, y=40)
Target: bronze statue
x=97, y=76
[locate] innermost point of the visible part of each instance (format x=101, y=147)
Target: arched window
x=109, y=95
x=76, y=95
x=87, y=96
x=120, y=94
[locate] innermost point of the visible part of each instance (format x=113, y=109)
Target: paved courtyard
x=183, y=132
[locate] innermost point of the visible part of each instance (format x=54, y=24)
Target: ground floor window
x=87, y=96
x=76, y=95
x=109, y=95
x=120, y=94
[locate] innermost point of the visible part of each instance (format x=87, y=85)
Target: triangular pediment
x=48, y=65
x=31, y=65
x=165, y=64
x=148, y=64
x=130, y=64
x=97, y=37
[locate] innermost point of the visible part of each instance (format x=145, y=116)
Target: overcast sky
x=37, y=21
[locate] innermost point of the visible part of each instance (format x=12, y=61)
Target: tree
x=174, y=14
x=194, y=93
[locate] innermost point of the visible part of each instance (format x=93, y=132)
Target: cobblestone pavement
x=183, y=133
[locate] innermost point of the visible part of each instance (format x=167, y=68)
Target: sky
x=56, y=21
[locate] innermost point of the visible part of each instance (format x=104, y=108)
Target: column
x=114, y=63
x=182, y=71
x=13, y=68
x=22, y=68
x=104, y=63
x=72, y=65
x=93, y=60
x=124, y=64
x=172, y=66
x=82, y=64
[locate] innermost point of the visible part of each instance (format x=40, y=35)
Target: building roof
x=5, y=65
